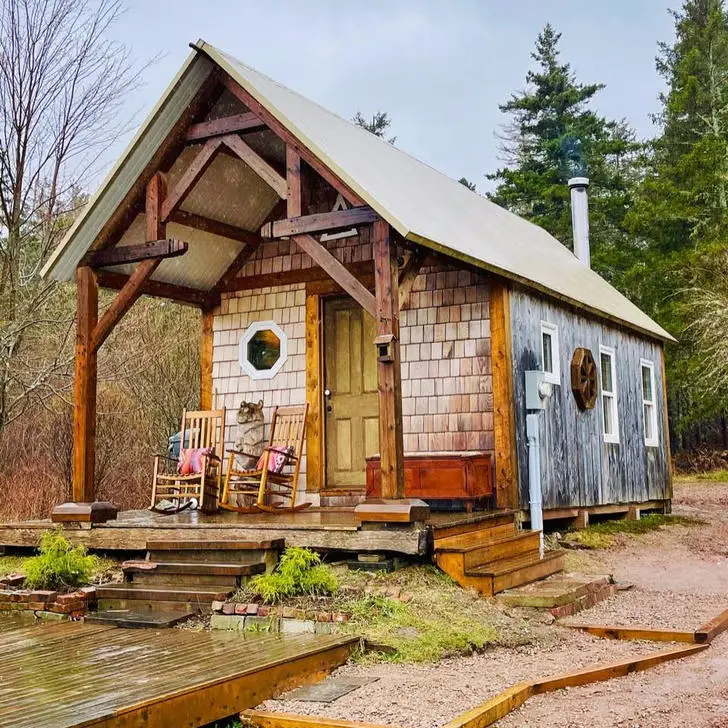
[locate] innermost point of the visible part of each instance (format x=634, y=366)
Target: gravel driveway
x=681, y=581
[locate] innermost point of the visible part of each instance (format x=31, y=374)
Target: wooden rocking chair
x=200, y=429
x=264, y=483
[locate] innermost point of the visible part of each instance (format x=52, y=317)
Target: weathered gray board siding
x=577, y=467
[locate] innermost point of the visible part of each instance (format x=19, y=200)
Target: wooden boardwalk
x=70, y=674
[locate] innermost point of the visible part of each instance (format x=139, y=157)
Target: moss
x=601, y=535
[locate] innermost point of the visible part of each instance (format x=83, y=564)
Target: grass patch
x=602, y=535
x=439, y=620
x=713, y=476
x=11, y=564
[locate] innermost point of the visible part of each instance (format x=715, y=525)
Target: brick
x=324, y=616
x=228, y=608
x=21, y=596
x=340, y=617
x=217, y=606
x=265, y=611
x=252, y=609
x=36, y=606
x=13, y=580
x=6, y=595
x=67, y=598
x=241, y=609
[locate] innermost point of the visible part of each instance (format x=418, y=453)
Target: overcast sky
x=439, y=68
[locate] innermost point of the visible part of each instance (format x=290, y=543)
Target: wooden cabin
x=333, y=268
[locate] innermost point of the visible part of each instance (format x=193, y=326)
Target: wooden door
x=352, y=407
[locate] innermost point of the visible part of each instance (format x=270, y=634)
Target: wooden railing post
x=206, y=342
x=84, y=394
x=389, y=375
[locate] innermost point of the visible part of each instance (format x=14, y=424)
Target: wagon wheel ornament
x=584, y=379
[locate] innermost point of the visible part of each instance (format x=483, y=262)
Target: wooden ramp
x=71, y=674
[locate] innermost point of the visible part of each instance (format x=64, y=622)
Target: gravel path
x=427, y=696
x=689, y=693
x=657, y=609
x=681, y=581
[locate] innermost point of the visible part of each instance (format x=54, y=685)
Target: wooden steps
x=492, y=555
x=184, y=576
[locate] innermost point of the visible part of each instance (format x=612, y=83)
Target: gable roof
x=422, y=204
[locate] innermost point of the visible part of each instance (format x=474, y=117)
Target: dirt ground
x=680, y=577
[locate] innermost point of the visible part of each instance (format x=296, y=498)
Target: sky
x=439, y=68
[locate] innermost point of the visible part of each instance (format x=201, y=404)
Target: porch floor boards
x=68, y=675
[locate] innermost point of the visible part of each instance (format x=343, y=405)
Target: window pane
x=647, y=384
x=607, y=410
x=548, y=354
x=264, y=349
x=649, y=434
x=606, y=361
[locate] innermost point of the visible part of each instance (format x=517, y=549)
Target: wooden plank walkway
x=74, y=675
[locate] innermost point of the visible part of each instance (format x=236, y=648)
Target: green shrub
x=299, y=573
x=59, y=565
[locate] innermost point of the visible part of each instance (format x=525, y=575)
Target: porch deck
x=70, y=674
x=326, y=529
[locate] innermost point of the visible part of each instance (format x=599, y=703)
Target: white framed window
x=263, y=350
x=550, y=363
x=608, y=384
x=649, y=402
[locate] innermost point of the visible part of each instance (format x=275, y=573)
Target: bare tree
x=62, y=81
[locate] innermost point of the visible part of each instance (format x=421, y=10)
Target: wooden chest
x=440, y=476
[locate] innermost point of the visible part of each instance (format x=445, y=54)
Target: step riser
x=183, y=580
x=528, y=543
x=146, y=605
x=464, y=529
x=538, y=570
x=213, y=556
x=482, y=537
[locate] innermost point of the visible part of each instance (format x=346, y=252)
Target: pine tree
x=680, y=214
x=552, y=135
x=378, y=125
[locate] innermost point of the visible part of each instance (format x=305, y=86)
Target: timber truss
x=292, y=218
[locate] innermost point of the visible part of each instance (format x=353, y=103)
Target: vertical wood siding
x=577, y=467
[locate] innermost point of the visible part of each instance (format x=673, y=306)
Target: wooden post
x=84, y=393
x=206, y=359
x=389, y=375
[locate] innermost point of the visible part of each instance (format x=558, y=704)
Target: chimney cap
x=578, y=182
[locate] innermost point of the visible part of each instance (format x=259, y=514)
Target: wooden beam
x=408, y=275
x=160, y=289
x=248, y=155
x=207, y=225
x=261, y=719
x=188, y=180
x=289, y=139
x=504, y=420
x=206, y=350
x=712, y=629
x=337, y=271
x=84, y=391
x=494, y=709
x=127, y=296
x=320, y=222
x=226, y=125
x=391, y=442
x=293, y=182
x=314, y=395
x=666, y=419
x=122, y=255
x=635, y=633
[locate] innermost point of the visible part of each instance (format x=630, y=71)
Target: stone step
x=192, y=568
x=139, y=618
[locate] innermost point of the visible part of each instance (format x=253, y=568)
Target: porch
x=326, y=529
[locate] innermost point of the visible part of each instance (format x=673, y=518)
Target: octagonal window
x=263, y=349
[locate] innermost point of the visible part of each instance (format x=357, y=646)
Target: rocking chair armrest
x=281, y=452
x=241, y=452
x=166, y=457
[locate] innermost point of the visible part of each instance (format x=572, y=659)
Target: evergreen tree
x=680, y=213
x=467, y=183
x=378, y=125
x=552, y=136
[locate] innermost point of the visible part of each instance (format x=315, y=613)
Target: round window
x=263, y=349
